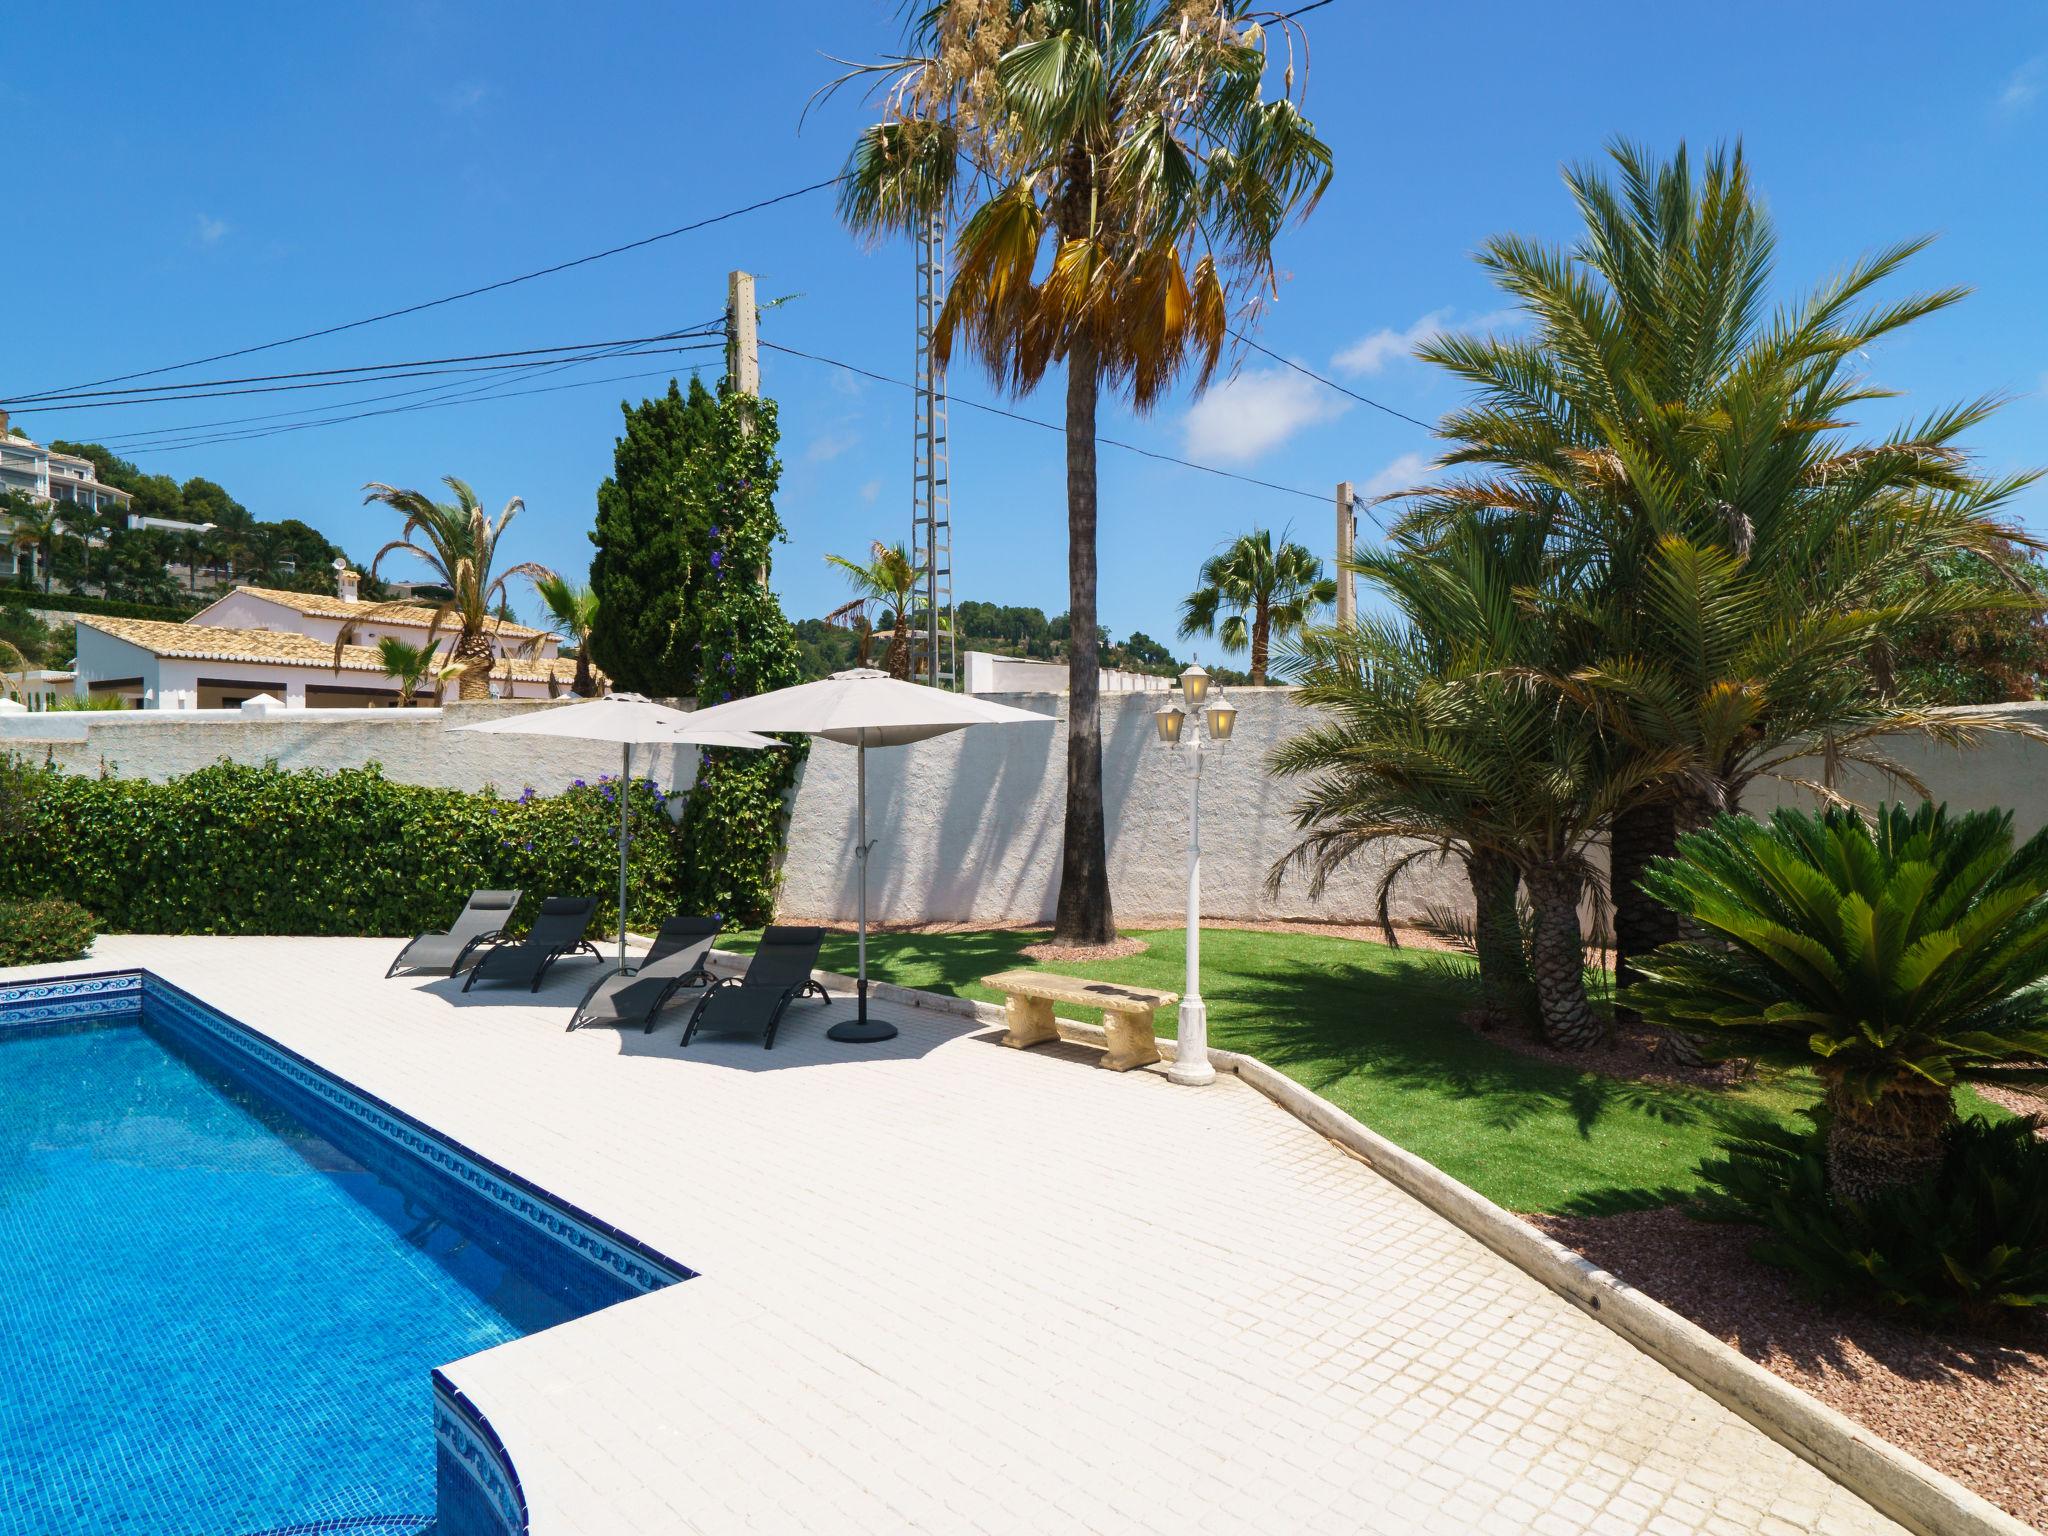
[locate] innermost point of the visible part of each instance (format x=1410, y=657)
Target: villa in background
x=36, y=472
x=254, y=641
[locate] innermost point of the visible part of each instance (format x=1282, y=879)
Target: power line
x=608, y=350
x=1033, y=421
x=1333, y=384
x=701, y=328
x=467, y=293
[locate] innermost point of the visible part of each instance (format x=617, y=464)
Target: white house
x=322, y=617
x=35, y=471
x=153, y=665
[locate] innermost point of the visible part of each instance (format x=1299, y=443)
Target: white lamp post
x=1210, y=732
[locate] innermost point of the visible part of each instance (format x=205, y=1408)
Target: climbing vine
x=741, y=644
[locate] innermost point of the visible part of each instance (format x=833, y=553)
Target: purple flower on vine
x=717, y=560
x=579, y=784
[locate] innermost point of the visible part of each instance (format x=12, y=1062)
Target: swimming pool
x=226, y=1278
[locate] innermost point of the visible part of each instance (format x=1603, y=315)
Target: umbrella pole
x=625, y=842
x=859, y=1030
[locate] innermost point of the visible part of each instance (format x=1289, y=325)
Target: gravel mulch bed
x=1067, y=954
x=1975, y=1407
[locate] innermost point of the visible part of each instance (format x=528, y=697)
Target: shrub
x=111, y=607
x=236, y=849
x=1969, y=1245
x=1891, y=958
x=35, y=932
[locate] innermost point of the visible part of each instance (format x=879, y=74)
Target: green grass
x=1376, y=1031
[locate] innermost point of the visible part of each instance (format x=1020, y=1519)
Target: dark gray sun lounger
x=476, y=925
x=676, y=960
x=778, y=974
x=557, y=931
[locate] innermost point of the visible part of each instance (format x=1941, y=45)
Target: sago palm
x=1124, y=177
x=459, y=545
x=572, y=614
x=886, y=583
x=1263, y=594
x=1692, y=445
x=1890, y=958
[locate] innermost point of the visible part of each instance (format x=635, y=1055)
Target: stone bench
x=1127, y=1013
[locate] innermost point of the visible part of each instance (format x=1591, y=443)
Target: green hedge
x=37, y=932
x=68, y=602
x=235, y=849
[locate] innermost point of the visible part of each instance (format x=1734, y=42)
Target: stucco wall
x=415, y=746
x=967, y=826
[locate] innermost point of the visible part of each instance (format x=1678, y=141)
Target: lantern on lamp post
x=1203, y=727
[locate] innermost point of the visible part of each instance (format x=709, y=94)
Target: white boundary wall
x=968, y=826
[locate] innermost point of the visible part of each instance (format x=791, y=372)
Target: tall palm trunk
x=582, y=685
x=1895, y=1142
x=1507, y=995
x=1559, y=960
x=1640, y=923
x=1262, y=641
x=1083, y=915
x=473, y=649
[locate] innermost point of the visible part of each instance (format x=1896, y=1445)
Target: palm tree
x=886, y=582
x=458, y=543
x=1280, y=590
x=572, y=614
x=1746, y=561
x=1440, y=730
x=1124, y=179
x=409, y=665
x=37, y=527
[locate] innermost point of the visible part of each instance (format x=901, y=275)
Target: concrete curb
x=1894, y=1483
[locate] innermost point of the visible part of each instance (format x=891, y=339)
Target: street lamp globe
x=1194, y=683
x=1168, y=722
x=1222, y=720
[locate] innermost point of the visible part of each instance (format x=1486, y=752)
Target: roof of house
x=283, y=648
x=417, y=615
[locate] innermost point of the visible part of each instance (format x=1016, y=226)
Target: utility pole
x=931, y=496
x=1347, y=535
x=742, y=335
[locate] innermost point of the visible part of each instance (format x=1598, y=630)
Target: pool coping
x=1892, y=1481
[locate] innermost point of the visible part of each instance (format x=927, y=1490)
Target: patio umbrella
x=625, y=718
x=863, y=708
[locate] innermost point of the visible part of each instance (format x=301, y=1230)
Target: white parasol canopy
x=863, y=708
x=628, y=719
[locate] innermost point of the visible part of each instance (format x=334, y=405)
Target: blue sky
x=186, y=180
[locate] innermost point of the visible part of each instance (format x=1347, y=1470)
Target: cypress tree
x=649, y=524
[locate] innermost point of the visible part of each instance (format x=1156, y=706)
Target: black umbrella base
x=861, y=1032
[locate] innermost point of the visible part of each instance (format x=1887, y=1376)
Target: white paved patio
x=951, y=1287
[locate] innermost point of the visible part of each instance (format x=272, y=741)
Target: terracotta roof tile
x=284, y=648
x=417, y=615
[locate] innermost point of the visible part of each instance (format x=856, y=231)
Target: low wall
x=967, y=827
x=414, y=746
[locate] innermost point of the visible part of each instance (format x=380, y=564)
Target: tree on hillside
x=459, y=544
x=36, y=528
x=647, y=524
x=1125, y=180
x=1264, y=593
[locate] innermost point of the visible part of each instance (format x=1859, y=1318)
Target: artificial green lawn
x=1376, y=1031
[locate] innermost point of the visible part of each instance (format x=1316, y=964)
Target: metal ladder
x=934, y=654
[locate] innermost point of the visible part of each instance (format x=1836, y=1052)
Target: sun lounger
x=676, y=960
x=777, y=975
x=476, y=925
x=557, y=931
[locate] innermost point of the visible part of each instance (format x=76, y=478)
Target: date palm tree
x=572, y=614
x=1748, y=560
x=1264, y=594
x=886, y=583
x=1124, y=177
x=36, y=526
x=458, y=543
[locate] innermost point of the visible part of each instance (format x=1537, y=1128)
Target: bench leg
x=1131, y=1040
x=1030, y=1021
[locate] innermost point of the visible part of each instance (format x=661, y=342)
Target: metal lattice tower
x=933, y=655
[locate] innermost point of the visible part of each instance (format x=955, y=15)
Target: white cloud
x=830, y=445
x=1256, y=411
x=870, y=491
x=1369, y=354
x=208, y=231
x=1410, y=469
x=2024, y=86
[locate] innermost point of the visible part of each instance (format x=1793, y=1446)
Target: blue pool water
x=214, y=1321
